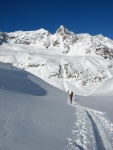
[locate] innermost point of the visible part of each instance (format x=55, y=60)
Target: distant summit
x=62, y=30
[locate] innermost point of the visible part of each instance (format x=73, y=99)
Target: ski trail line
x=100, y=135
x=87, y=133
x=82, y=132
x=98, y=139
x=91, y=130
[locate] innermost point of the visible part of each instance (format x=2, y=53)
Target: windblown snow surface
x=33, y=114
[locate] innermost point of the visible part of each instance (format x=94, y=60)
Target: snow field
x=33, y=114
x=82, y=132
x=91, y=130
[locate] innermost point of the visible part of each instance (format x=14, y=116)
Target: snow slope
x=107, y=86
x=33, y=114
x=36, y=115
x=93, y=127
x=96, y=108
x=101, y=98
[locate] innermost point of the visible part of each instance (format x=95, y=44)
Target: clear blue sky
x=80, y=16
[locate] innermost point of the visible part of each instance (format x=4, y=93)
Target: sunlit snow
x=37, y=70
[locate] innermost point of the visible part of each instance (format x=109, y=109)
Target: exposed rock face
x=30, y=37
x=68, y=38
x=3, y=38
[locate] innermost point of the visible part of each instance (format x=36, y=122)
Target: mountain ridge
x=78, y=62
x=63, y=38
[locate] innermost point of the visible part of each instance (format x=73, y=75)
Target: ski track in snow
x=91, y=130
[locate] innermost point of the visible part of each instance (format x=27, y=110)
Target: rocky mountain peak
x=62, y=31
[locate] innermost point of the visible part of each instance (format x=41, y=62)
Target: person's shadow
x=17, y=80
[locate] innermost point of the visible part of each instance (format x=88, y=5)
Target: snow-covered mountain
x=79, y=62
x=36, y=115
x=63, y=39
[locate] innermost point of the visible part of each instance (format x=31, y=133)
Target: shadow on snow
x=17, y=80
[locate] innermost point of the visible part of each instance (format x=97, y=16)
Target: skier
x=71, y=96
